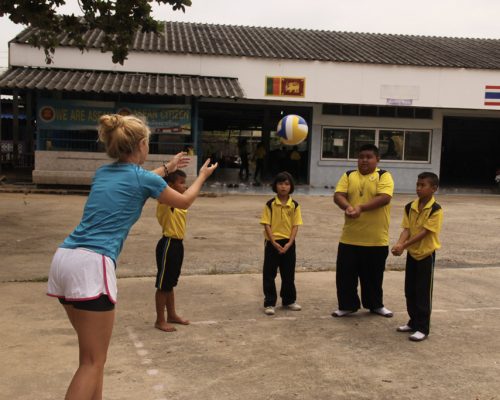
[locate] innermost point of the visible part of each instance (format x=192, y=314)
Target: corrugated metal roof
x=120, y=82
x=300, y=44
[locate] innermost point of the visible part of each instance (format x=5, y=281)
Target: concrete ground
x=224, y=235
x=232, y=349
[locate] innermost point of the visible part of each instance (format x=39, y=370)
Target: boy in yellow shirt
x=364, y=195
x=169, y=256
x=422, y=222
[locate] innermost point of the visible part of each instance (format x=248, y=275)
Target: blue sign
x=84, y=115
x=71, y=115
x=161, y=118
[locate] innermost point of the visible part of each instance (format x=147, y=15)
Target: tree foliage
x=117, y=19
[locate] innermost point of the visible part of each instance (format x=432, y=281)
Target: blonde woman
x=82, y=274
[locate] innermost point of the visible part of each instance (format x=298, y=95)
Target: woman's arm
x=177, y=162
x=184, y=200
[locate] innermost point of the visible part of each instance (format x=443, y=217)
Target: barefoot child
x=281, y=219
x=422, y=221
x=169, y=256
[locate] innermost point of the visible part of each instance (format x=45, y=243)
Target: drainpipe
x=0, y=131
x=29, y=125
x=15, y=127
x=195, y=132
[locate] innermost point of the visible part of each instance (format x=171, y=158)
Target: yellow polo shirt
x=172, y=220
x=371, y=228
x=428, y=219
x=260, y=153
x=295, y=155
x=281, y=217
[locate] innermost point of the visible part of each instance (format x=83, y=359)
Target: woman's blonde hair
x=121, y=135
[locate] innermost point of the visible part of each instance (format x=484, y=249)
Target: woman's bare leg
x=94, y=330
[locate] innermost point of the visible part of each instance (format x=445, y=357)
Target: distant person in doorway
x=281, y=159
x=259, y=156
x=243, y=153
x=188, y=149
x=295, y=158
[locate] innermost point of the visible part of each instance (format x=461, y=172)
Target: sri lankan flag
x=273, y=86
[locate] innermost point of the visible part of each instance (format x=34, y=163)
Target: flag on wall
x=273, y=86
x=285, y=86
x=492, y=95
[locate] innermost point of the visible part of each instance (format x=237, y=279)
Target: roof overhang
x=132, y=83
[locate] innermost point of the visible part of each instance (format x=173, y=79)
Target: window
x=390, y=144
x=394, y=144
x=385, y=111
x=332, y=109
x=368, y=111
x=360, y=137
x=335, y=142
x=417, y=146
x=350, y=109
x=377, y=111
x=423, y=113
x=405, y=112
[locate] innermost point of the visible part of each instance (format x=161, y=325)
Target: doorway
x=470, y=151
x=229, y=131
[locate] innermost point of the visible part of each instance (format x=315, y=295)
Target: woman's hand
x=206, y=170
x=179, y=161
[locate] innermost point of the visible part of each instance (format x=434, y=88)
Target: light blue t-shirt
x=115, y=203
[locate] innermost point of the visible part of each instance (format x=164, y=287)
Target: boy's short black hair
x=172, y=177
x=282, y=177
x=369, y=147
x=431, y=176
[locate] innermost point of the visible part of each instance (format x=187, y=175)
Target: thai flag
x=492, y=95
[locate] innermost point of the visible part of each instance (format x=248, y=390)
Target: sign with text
x=399, y=102
x=71, y=115
x=84, y=115
x=161, y=118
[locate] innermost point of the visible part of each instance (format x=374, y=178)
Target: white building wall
x=326, y=82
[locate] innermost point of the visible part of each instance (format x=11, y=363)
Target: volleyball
x=292, y=129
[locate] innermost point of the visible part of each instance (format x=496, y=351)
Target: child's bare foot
x=177, y=320
x=163, y=326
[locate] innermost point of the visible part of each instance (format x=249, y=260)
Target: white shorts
x=81, y=274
